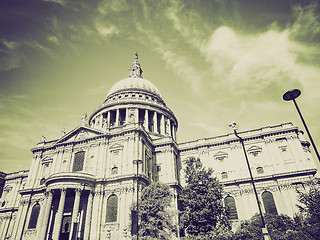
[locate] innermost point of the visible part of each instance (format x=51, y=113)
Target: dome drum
x=153, y=120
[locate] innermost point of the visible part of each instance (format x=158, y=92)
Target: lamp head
x=234, y=125
x=291, y=95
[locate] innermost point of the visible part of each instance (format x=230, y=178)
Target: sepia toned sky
x=214, y=62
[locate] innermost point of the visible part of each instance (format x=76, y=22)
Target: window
x=268, y=203
x=112, y=208
x=114, y=170
x=224, y=175
x=66, y=223
x=42, y=181
x=231, y=208
x=260, y=170
x=34, y=216
x=78, y=161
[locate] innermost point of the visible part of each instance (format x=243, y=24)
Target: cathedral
x=82, y=185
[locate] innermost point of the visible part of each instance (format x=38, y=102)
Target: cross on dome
x=135, y=70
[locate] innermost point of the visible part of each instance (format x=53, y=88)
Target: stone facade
x=81, y=186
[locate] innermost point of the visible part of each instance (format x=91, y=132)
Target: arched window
x=34, y=216
x=78, y=161
x=112, y=208
x=268, y=203
x=231, y=209
x=42, y=181
x=114, y=170
x=260, y=170
x=224, y=175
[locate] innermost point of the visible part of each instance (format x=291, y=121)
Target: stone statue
x=43, y=139
x=104, y=123
x=84, y=119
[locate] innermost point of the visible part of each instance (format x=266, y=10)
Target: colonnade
x=53, y=231
x=152, y=121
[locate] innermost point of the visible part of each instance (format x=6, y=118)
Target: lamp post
x=265, y=233
x=137, y=162
x=292, y=95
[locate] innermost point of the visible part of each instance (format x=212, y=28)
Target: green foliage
x=305, y=226
x=203, y=212
x=155, y=217
x=310, y=213
x=280, y=227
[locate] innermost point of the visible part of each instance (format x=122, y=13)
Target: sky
x=214, y=62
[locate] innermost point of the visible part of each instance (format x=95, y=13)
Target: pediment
x=116, y=147
x=220, y=156
x=254, y=150
x=79, y=134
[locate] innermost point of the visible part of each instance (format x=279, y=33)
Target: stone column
x=88, y=216
x=168, y=127
x=127, y=116
x=162, y=126
x=137, y=115
x=117, y=118
x=46, y=215
x=146, y=120
x=100, y=121
x=108, y=119
x=155, y=122
x=75, y=212
x=58, y=220
x=173, y=132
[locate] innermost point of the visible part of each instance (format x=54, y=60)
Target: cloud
x=106, y=6
x=306, y=27
x=10, y=55
x=107, y=31
x=253, y=64
x=181, y=66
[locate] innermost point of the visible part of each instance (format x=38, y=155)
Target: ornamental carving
x=30, y=232
x=24, y=201
x=110, y=227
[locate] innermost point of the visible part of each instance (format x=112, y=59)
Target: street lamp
x=137, y=162
x=265, y=233
x=292, y=95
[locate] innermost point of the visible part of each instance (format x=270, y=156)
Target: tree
x=203, y=213
x=310, y=212
x=280, y=227
x=156, y=221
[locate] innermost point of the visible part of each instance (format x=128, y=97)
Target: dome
x=134, y=83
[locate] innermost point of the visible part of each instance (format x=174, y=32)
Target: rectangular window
x=78, y=161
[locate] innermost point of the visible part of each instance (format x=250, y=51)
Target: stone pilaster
x=45, y=221
x=88, y=216
x=21, y=224
x=58, y=220
x=41, y=215
x=75, y=212
x=95, y=215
